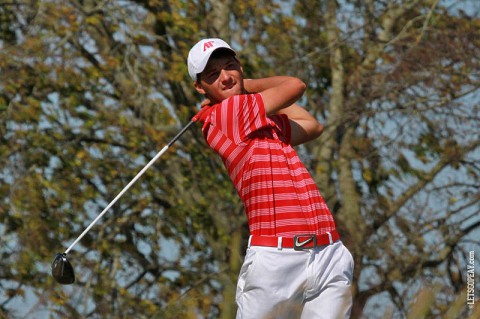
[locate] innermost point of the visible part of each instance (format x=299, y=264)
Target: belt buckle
x=303, y=242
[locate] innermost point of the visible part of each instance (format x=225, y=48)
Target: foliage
x=91, y=90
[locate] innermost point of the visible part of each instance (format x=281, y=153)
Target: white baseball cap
x=200, y=54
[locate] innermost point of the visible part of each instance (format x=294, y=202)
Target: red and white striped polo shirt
x=279, y=194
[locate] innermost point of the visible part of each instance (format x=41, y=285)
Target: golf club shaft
x=163, y=150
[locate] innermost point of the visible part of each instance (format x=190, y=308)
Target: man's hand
x=206, y=102
x=204, y=111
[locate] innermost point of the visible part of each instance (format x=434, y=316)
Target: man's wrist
x=247, y=86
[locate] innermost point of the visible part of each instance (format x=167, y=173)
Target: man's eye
x=213, y=74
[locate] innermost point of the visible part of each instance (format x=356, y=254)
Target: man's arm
x=278, y=92
x=304, y=127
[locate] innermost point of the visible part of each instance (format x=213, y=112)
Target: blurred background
x=91, y=90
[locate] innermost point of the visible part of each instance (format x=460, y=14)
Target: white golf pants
x=287, y=284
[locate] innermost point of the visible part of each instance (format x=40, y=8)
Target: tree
x=398, y=171
x=91, y=90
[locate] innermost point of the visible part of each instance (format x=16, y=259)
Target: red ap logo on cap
x=207, y=45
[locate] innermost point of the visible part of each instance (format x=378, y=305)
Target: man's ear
x=240, y=63
x=199, y=88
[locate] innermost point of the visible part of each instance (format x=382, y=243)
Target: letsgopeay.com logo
x=471, y=279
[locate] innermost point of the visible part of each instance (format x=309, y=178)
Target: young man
x=295, y=265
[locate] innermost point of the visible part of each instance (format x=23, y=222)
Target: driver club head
x=62, y=270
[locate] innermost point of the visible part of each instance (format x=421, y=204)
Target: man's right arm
x=278, y=92
x=304, y=127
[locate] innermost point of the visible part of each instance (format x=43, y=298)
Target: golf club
x=62, y=270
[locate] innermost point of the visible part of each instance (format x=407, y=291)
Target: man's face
x=221, y=78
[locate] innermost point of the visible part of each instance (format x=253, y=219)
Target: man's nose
x=224, y=75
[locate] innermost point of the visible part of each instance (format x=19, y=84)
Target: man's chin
x=231, y=92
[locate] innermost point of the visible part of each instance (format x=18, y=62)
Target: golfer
x=295, y=265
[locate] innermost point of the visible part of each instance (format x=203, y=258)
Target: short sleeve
x=241, y=115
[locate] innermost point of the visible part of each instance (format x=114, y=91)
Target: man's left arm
x=304, y=127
